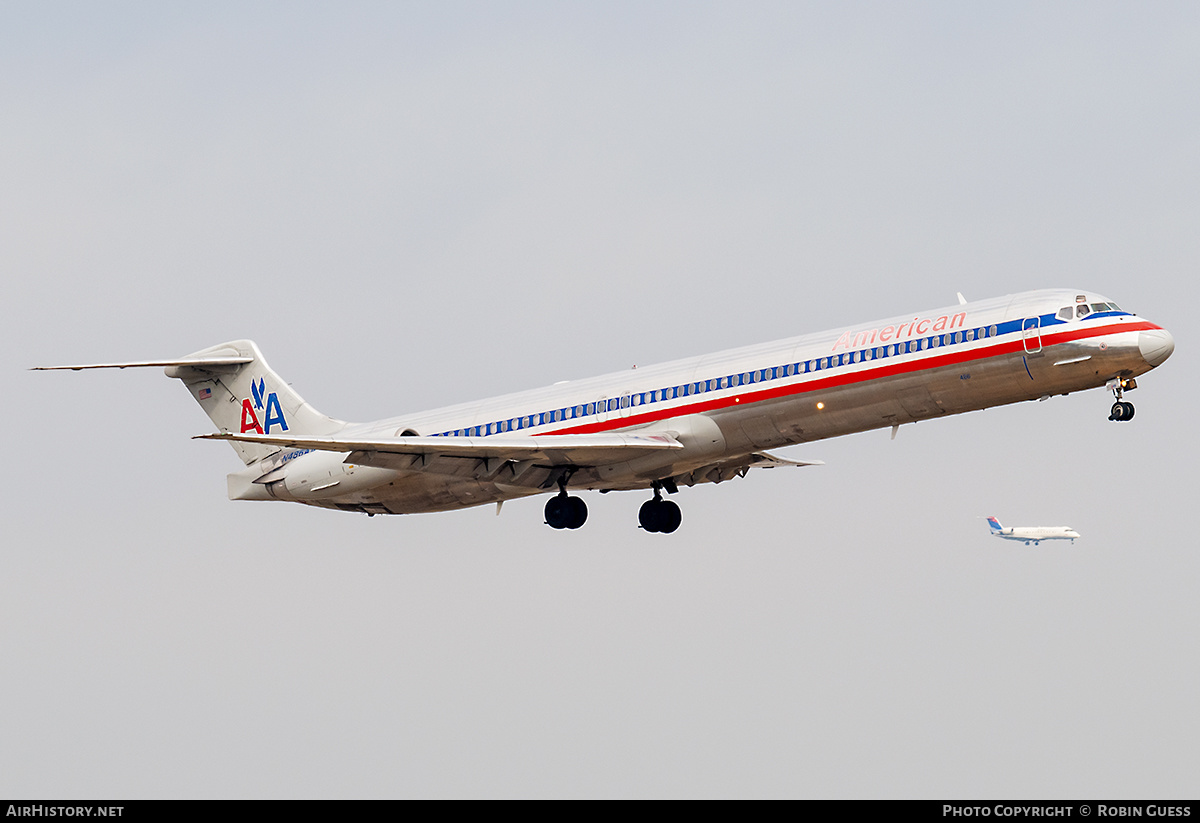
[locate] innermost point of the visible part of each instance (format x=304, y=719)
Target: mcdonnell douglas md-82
x=1032, y=534
x=705, y=419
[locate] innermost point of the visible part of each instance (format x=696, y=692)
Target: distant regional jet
x=705, y=419
x=1032, y=534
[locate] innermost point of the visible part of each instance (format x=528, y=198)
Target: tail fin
x=240, y=393
x=995, y=525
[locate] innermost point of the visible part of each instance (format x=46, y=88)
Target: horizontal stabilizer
x=556, y=449
x=234, y=360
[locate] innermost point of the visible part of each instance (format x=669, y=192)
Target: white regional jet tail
x=240, y=394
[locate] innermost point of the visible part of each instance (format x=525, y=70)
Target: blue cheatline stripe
x=756, y=376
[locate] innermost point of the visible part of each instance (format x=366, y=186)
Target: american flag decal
x=204, y=394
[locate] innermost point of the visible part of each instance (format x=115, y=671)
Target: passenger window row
x=750, y=378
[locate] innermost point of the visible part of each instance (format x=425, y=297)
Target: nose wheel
x=659, y=515
x=1121, y=410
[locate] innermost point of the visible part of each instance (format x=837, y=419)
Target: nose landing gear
x=1122, y=409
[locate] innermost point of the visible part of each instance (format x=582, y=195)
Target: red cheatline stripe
x=836, y=381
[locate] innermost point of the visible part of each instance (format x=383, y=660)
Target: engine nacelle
x=315, y=475
x=321, y=475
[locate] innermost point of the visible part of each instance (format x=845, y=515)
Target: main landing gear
x=659, y=515
x=1122, y=409
x=564, y=511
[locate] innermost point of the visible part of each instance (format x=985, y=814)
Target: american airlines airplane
x=704, y=419
x=1032, y=534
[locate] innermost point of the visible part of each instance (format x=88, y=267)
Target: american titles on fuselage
x=916, y=328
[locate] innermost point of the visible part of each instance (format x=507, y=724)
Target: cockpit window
x=1099, y=307
x=1066, y=313
x=1082, y=310
x=1114, y=306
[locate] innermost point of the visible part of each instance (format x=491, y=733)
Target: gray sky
x=409, y=205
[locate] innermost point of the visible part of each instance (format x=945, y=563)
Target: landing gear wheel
x=648, y=515
x=577, y=510
x=671, y=517
x=565, y=512
x=556, y=512
x=1121, y=410
x=660, y=515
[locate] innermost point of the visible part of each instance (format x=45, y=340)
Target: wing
x=415, y=452
x=535, y=461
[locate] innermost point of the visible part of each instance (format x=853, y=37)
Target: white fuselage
x=726, y=406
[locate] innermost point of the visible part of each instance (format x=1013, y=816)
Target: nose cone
x=1156, y=346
